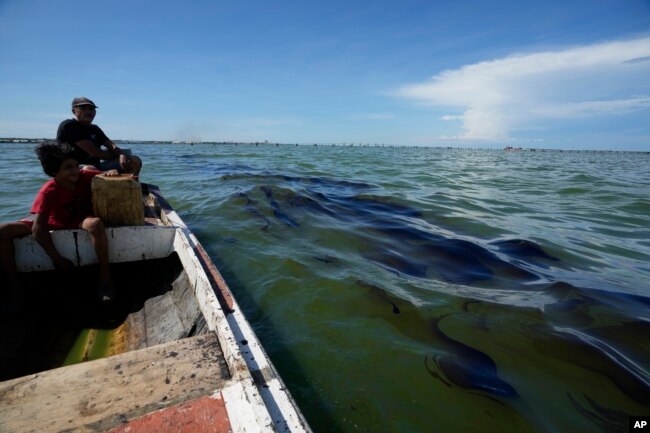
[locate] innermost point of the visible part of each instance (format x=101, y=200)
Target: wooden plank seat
x=103, y=394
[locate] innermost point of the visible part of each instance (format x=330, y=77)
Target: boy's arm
x=42, y=235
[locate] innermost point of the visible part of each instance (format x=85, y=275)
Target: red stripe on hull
x=204, y=415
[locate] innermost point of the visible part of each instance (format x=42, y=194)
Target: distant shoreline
x=15, y=140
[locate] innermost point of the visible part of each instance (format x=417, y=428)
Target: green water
x=424, y=290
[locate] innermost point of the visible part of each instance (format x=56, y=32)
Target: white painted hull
x=126, y=244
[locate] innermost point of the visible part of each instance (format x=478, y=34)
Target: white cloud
x=587, y=108
x=498, y=96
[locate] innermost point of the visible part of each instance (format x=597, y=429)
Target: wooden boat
x=173, y=352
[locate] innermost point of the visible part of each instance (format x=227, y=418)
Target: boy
x=63, y=202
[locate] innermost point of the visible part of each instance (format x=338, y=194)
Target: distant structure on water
x=345, y=144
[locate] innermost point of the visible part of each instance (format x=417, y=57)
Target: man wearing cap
x=87, y=140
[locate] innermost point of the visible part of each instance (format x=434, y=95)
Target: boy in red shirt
x=63, y=202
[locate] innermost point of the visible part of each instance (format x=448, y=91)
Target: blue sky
x=572, y=74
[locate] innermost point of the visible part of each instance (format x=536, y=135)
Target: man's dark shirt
x=71, y=131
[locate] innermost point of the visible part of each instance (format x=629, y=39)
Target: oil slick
x=487, y=287
x=467, y=367
x=450, y=361
x=395, y=236
x=594, y=354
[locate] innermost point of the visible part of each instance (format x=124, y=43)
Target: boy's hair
x=52, y=154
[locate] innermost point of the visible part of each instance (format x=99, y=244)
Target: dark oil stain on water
x=421, y=290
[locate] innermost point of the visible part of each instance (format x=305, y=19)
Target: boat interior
x=171, y=347
x=152, y=338
x=62, y=322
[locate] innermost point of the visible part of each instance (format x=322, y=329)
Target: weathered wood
x=100, y=395
x=152, y=211
x=117, y=200
x=164, y=318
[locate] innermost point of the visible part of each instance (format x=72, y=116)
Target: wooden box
x=117, y=200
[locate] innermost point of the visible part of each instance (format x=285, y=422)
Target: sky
x=565, y=74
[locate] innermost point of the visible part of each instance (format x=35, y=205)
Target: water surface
x=417, y=290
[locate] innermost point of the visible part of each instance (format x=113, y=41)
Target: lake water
x=424, y=290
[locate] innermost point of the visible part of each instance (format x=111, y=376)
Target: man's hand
x=125, y=162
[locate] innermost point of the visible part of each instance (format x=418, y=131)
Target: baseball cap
x=82, y=100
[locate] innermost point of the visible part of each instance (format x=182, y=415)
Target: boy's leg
x=9, y=232
x=95, y=227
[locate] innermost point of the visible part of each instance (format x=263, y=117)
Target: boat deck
x=104, y=394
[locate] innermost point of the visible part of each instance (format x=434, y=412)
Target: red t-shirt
x=65, y=209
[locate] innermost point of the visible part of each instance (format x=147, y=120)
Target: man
x=88, y=139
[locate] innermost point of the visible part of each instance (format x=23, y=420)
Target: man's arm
x=88, y=147
x=44, y=238
x=112, y=147
x=125, y=160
